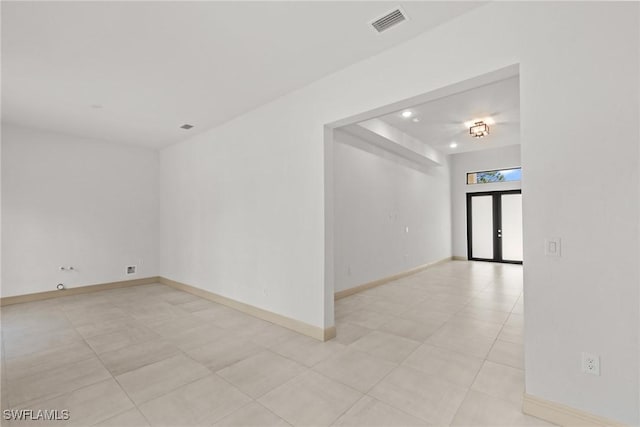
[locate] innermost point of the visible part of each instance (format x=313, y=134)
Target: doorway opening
x=395, y=181
x=494, y=226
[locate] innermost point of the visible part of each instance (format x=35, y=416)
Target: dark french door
x=494, y=226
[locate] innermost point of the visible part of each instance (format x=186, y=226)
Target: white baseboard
x=39, y=296
x=287, y=322
x=562, y=415
x=359, y=288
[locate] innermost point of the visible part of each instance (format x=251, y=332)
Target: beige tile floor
x=442, y=347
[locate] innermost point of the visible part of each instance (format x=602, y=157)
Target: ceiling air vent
x=387, y=21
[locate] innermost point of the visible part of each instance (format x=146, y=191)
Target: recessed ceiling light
x=407, y=114
x=186, y=126
x=453, y=145
x=415, y=120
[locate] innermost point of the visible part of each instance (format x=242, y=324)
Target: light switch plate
x=553, y=247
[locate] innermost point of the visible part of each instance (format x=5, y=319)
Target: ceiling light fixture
x=479, y=129
x=407, y=114
x=488, y=120
x=453, y=145
x=415, y=120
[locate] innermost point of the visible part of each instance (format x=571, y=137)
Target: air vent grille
x=392, y=18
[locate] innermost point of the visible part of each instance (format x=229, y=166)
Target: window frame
x=493, y=170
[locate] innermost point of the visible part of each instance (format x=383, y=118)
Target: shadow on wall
x=377, y=151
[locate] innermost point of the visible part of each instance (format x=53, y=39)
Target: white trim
x=562, y=415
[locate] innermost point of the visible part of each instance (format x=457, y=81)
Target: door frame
x=497, y=224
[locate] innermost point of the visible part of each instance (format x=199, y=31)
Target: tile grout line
x=441, y=326
x=311, y=368
x=32, y=401
x=110, y=373
x=59, y=308
x=478, y=373
x=395, y=368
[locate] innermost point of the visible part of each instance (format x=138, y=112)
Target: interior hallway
x=443, y=346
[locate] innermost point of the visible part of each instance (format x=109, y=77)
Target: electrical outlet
x=591, y=364
x=131, y=269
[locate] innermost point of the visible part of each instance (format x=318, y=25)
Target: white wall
x=70, y=201
x=243, y=204
x=476, y=161
x=376, y=196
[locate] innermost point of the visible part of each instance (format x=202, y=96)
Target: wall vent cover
x=389, y=20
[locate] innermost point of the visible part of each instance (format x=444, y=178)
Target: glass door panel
x=511, y=215
x=482, y=227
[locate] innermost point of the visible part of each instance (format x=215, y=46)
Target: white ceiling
x=442, y=121
x=153, y=66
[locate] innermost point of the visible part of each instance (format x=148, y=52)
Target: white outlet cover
x=591, y=364
x=553, y=247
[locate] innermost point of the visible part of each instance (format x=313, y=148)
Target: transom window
x=499, y=175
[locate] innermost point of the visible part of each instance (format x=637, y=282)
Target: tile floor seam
x=298, y=362
x=256, y=401
x=114, y=378
x=475, y=377
x=468, y=389
x=122, y=412
x=325, y=377
x=36, y=351
x=350, y=406
x=110, y=373
x=366, y=393
x=288, y=358
x=478, y=373
x=70, y=390
x=179, y=386
x=253, y=401
x=309, y=347
x=496, y=339
x=348, y=409
x=432, y=376
x=466, y=393
x=383, y=378
x=215, y=374
x=40, y=373
x=135, y=405
x=397, y=409
x=233, y=385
